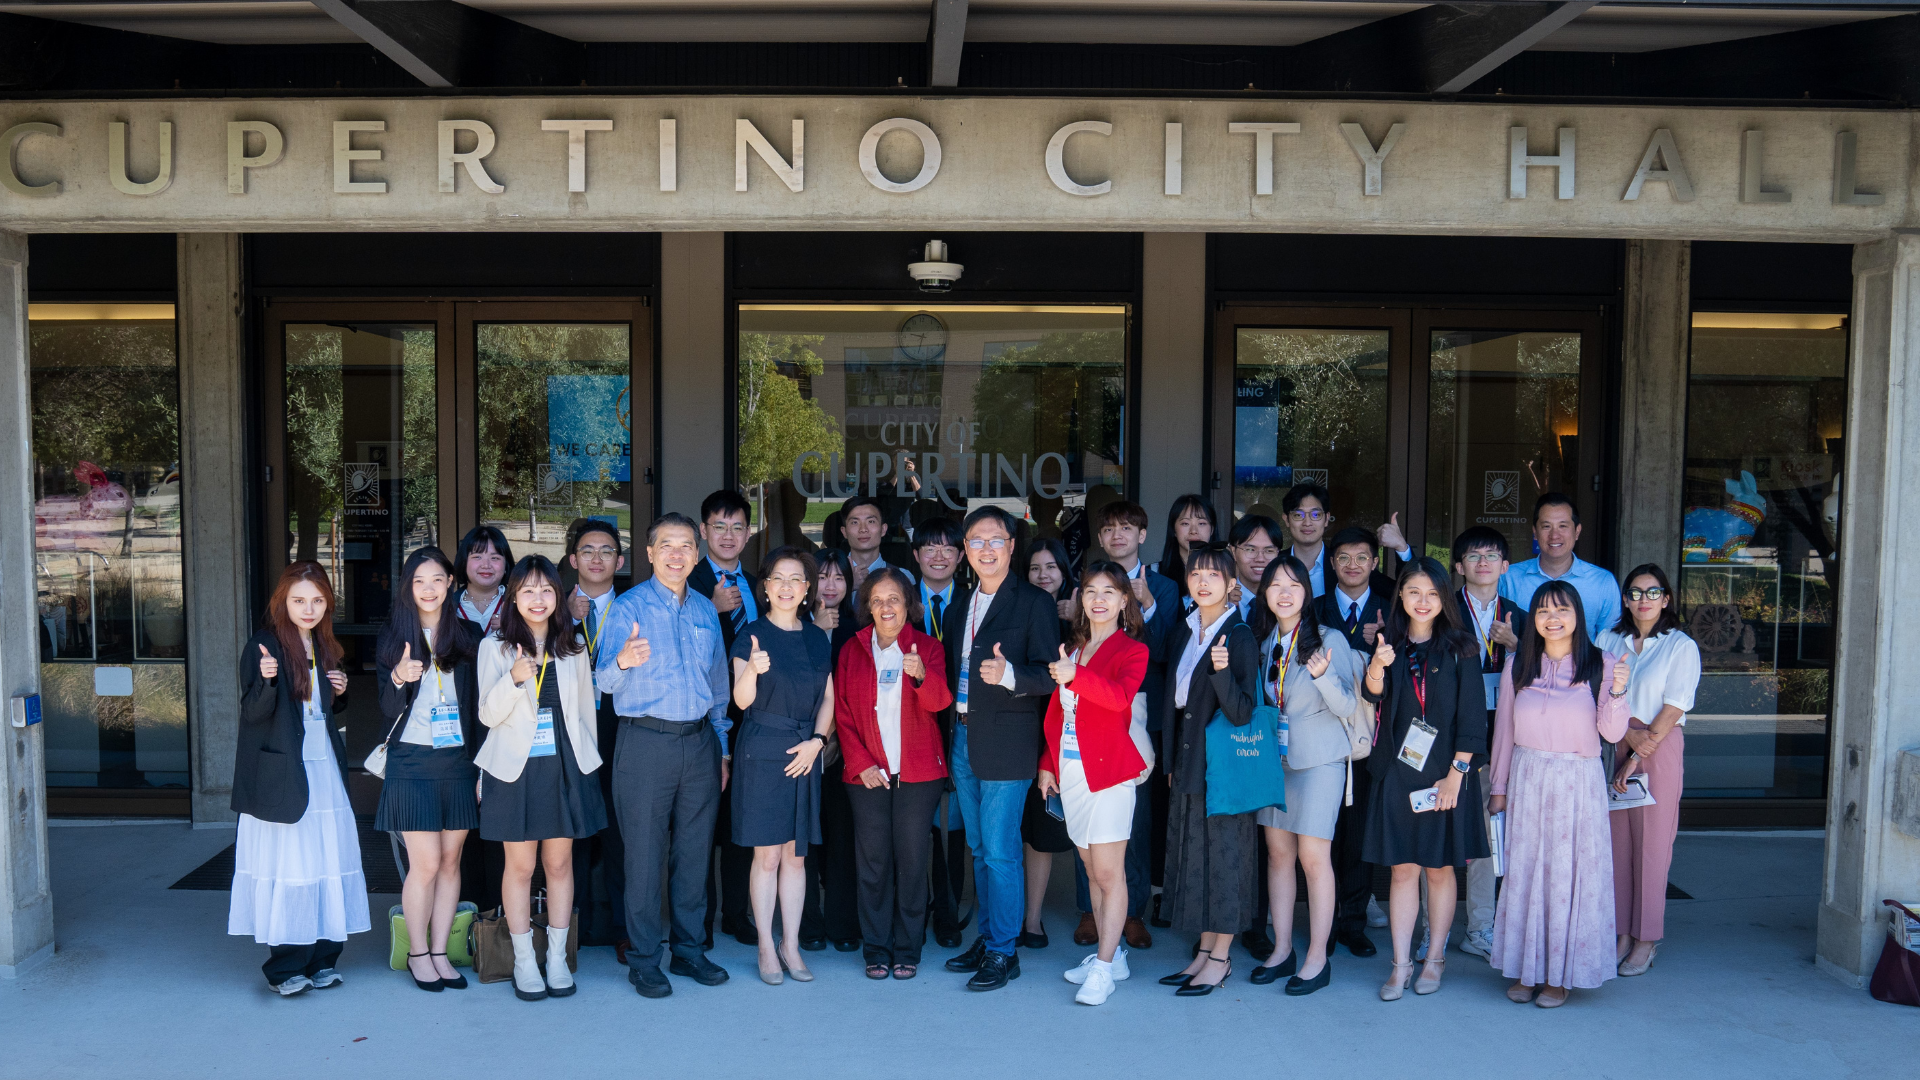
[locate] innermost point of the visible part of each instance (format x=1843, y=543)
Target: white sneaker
x=1479, y=943
x=299, y=984
x=1097, y=987
x=1375, y=917
x=1078, y=975
x=326, y=977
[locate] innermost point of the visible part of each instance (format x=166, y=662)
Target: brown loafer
x=1136, y=935
x=1086, y=933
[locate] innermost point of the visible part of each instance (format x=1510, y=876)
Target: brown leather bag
x=491, y=944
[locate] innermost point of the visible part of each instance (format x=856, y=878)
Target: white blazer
x=511, y=713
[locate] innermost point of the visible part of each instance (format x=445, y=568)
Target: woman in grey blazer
x=1311, y=677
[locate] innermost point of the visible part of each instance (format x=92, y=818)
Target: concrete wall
x=213, y=460
x=26, y=896
x=1172, y=403
x=693, y=370
x=1653, y=403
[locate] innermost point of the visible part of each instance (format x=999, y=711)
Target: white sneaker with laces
x=1078, y=975
x=1097, y=987
x=1479, y=943
x=326, y=977
x=1375, y=917
x=299, y=984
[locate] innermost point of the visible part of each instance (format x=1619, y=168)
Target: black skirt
x=1212, y=867
x=1040, y=830
x=552, y=800
x=427, y=790
x=771, y=808
x=1436, y=838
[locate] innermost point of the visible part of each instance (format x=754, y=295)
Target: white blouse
x=889, y=666
x=434, y=687
x=1665, y=672
x=1197, y=647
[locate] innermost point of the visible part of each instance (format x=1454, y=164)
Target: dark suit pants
x=891, y=848
x=666, y=795
x=1353, y=875
x=599, y=862
x=832, y=907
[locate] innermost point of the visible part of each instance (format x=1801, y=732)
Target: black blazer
x=703, y=581
x=1456, y=709
x=1003, y=728
x=397, y=701
x=269, y=778
x=1235, y=692
x=1496, y=661
x=1167, y=615
x=1330, y=608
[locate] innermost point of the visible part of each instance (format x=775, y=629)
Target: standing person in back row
x=998, y=651
x=1480, y=558
x=725, y=520
x=1556, y=529
x=863, y=526
x=480, y=567
x=593, y=550
x=668, y=678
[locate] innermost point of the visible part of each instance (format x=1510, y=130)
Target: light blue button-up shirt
x=926, y=605
x=1599, y=592
x=737, y=579
x=685, y=676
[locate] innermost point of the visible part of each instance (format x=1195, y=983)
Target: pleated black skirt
x=427, y=790
x=552, y=800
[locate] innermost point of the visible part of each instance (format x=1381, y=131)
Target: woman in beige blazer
x=536, y=794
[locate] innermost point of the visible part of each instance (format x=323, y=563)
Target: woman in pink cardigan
x=1554, y=925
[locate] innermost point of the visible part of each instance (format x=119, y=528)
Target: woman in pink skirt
x=1554, y=926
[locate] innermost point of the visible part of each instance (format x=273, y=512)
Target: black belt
x=666, y=727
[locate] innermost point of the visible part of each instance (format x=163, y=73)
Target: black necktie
x=939, y=632
x=739, y=614
x=1353, y=616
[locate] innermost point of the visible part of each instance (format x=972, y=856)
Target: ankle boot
x=559, y=978
x=527, y=984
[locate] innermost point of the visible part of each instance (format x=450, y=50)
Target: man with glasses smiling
x=593, y=551
x=1480, y=558
x=726, y=521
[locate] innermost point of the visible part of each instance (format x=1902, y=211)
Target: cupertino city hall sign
x=952, y=163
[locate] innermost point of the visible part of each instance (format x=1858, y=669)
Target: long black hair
x=454, y=638
x=1307, y=634
x=1586, y=657
x=478, y=537
x=1669, y=616
x=513, y=628
x=1172, y=565
x=1449, y=629
x=1052, y=546
x=836, y=558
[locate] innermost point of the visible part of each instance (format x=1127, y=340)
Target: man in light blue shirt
x=1556, y=528
x=668, y=680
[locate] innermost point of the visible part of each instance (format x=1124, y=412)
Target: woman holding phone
x=1424, y=817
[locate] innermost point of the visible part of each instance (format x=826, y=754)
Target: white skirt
x=301, y=883
x=1094, y=817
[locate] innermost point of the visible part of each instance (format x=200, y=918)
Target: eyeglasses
x=596, y=552
x=1353, y=560
x=981, y=544
x=1477, y=558
x=727, y=528
x=1308, y=515
x=1638, y=594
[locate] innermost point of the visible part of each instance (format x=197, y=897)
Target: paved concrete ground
x=145, y=984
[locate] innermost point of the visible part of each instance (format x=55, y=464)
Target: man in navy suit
x=726, y=519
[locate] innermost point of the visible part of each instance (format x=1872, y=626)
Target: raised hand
x=338, y=680
x=992, y=670
x=523, y=668
x=726, y=597
x=1142, y=595
x=826, y=618
x=1371, y=630
x=914, y=667
x=1219, y=654
x=1070, y=606
x=579, y=605
x=1062, y=669
x=635, y=652
x=1390, y=536
x=269, y=667
x=1504, y=634
x=758, y=659
x=1317, y=663
x=1620, y=675
x=1383, y=653
x=408, y=669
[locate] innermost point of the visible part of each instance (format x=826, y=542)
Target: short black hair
x=1554, y=498
x=1298, y=493
x=726, y=502
x=478, y=537
x=990, y=513
x=1349, y=536
x=938, y=530
x=847, y=508
x=1479, y=537
x=671, y=517
x=1244, y=529
x=582, y=526
x=1121, y=512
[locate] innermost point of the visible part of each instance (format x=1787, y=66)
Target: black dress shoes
x=948, y=939
x=742, y=931
x=1028, y=940
x=852, y=944
x=1261, y=975
x=1299, y=987
x=699, y=969
x=996, y=971
x=811, y=944
x=1257, y=942
x=1155, y=919
x=1355, y=939
x=971, y=959
x=1178, y=978
x=649, y=982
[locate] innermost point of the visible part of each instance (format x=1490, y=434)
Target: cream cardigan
x=510, y=712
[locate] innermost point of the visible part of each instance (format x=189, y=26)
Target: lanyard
x=1417, y=675
x=1278, y=687
x=1483, y=635
x=594, y=626
x=540, y=676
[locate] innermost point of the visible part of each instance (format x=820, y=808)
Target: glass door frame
x=1408, y=384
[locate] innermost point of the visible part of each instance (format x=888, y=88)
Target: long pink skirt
x=1554, y=924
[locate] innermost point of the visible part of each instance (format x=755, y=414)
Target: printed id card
x=446, y=727
x=960, y=692
x=1492, y=680
x=1418, y=744
x=889, y=676
x=543, y=735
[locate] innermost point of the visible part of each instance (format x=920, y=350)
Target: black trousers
x=1160, y=798
x=286, y=961
x=666, y=795
x=952, y=861
x=1353, y=875
x=732, y=900
x=599, y=862
x=832, y=908
x=891, y=847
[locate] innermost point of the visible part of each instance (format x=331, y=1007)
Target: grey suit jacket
x=1313, y=707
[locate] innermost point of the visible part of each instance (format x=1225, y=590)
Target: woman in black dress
x=429, y=703
x=783, y=682
x=1425, y=676
x=538, y=794
x=1211, y=861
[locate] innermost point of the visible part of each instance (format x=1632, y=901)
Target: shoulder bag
x=1244, y=770
x=376, y=762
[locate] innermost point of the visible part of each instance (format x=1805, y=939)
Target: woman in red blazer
x=1091, y=758
x=888, y=684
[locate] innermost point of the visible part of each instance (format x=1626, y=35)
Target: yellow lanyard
x=1493, y=616
x=1279, y=687
x=593, y=636
x=540, y=676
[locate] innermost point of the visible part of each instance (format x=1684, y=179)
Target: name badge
x=446, y=727
x=960, y=692
x=889, y=676
x=1492, y=681
x=1418, y=744
x=543, y=735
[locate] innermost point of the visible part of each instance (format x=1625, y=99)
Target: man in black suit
x=1356, y=606
x=998, y=647
x=937, y=553
x=725, y=522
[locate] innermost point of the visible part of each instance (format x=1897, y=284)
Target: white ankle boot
x=559, y=978
x=527, y=984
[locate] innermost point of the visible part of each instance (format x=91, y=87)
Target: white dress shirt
x=1355, y=604
x=1197, y=647
x=1666, y=671
x=890, y=666
x=432, y=689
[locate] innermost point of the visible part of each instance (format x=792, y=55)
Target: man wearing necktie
x=593, y=551
x=937, y=546
x=726, y=522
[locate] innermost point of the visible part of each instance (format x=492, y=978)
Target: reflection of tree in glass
x=314, y=396
x=106, y=393
x=1316, y=382
x=515, y=360
x=419, y=449
x=1062, y=395
x=777, y=423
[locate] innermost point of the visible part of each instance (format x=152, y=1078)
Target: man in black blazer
x=725, y=522
x=1356, y=606
x=998, y=647
x=938, y=549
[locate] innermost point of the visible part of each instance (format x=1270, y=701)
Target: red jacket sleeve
x=1113, y=691
x=933, y=694
x=854, y=753
x=1050, y=733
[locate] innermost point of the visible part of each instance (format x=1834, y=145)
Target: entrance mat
x=376, y=862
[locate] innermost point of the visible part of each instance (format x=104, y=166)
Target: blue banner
x=590, y=427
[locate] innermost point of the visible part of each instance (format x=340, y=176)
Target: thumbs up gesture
x=1620, y=675
x=994, y=669
x=579, y=605
x=523, y=668
x=1503, y=633
x=1317, y=663
x=408, y=669
x=1390, y=536
x=1062, y=669
x=635, y=652
x=269, y=667
x=1382, y=653
x=1069, y=606
x=914, y=667
x=758, y=658
x=1372, y=630
x=1219, y=654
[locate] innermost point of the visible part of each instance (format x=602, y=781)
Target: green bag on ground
x=457, y=952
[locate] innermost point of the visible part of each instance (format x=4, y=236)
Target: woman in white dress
x=297, y=882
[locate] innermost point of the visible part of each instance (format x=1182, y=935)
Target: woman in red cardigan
x=888, y=684
x=1092, y=760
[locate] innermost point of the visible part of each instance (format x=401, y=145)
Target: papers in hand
x=1635, y=795
x=1497, y=841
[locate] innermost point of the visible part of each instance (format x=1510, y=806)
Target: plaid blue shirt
x=1599, y=592
x=685, y=676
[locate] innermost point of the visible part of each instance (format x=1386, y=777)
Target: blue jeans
x=991, y=811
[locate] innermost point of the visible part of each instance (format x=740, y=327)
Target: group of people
x=802, y=724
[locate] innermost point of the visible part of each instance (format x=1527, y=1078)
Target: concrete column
x=213, y=457
x=26, y=890
x=1173, y=343
x=1656, y=322
x=693, y=370
x=1876, y=694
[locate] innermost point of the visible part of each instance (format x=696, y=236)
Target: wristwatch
x=822, y=738
x=1462, y=767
